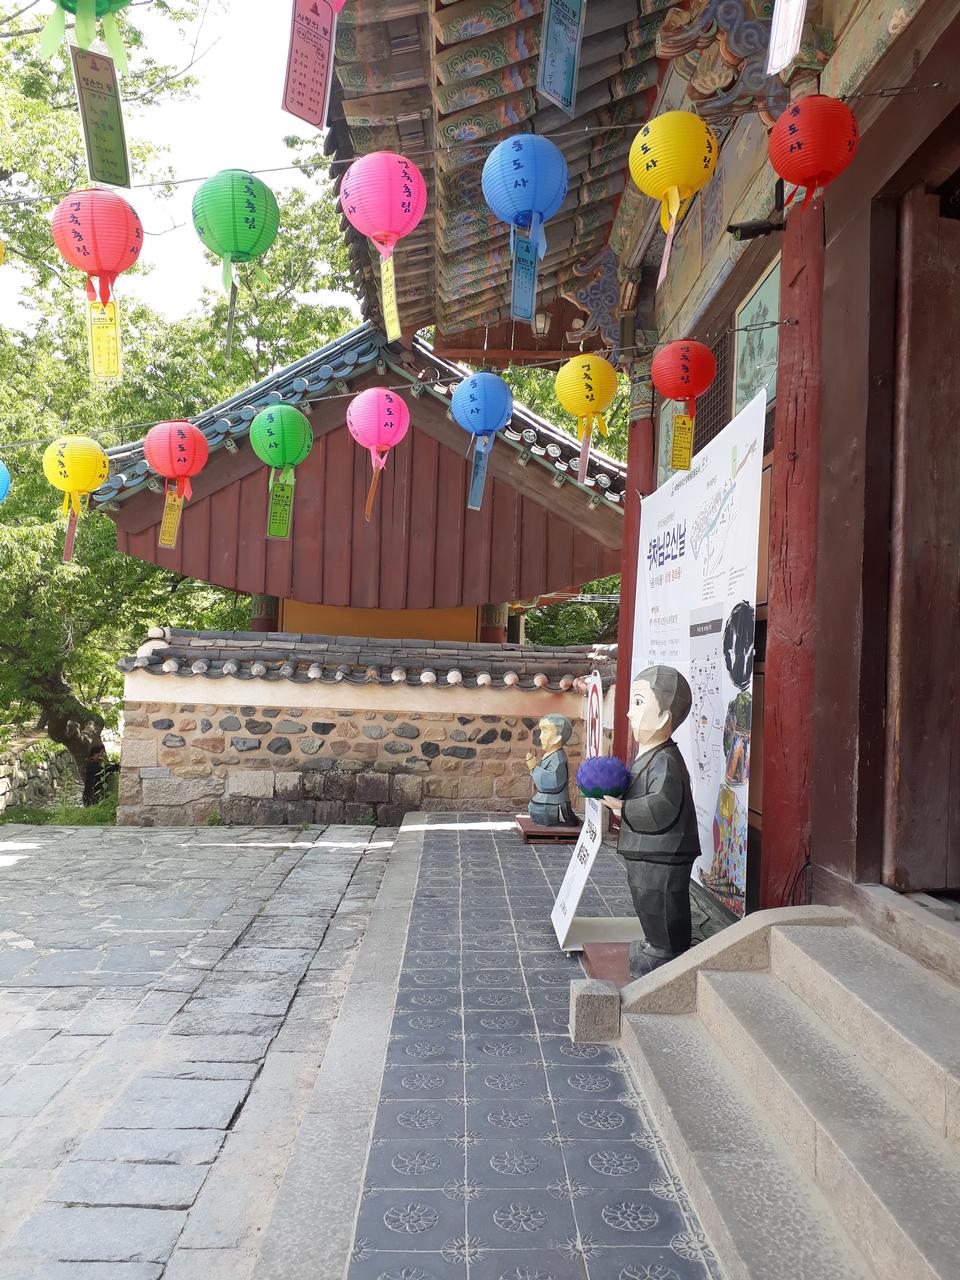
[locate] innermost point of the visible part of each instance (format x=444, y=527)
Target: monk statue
x=659, y=838
x=550, y=806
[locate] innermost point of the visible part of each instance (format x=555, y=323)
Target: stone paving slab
x=161, y=1029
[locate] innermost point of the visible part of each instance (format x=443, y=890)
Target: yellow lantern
x=586, y=386
x=672, y=158
x=76, y=465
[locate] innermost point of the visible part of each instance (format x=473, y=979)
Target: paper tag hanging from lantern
x=313, y=39
x=586, y=387
x=101, y=117
x=76, y=465
x=170, y=521
x=560, y=40
x=523, y=293
x=483, y=405
x=178, y=451
x=681, y=448
x=282, y=437
x=671, y=159
x=103, y=340
x=391, y=310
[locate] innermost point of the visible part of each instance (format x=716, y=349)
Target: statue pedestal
x=533, y=833
x=609, y=961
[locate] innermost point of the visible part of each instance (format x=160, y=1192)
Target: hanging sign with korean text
x=681, y=451
x=170, y=524
x=280, y=510
x=523, y=299
x=560, y=40
x=98, y=96
x=313, y=36
x=103, y=334
x=391, y=311
x=786, y=33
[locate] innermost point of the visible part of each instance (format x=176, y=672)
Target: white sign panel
x=786, y=32
x=591, y=834
x=696, y=601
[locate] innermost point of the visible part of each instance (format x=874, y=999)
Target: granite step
x=903, y=1019
x=765, y=1219
x=893, y=1185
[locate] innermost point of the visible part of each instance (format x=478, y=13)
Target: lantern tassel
x=70, y=537
x=184, y=489
x=53, y=32
x=106, y=284
x=85, y=29
x=91, y=291
x=371, y=494
x=114, y=42
x=227, y=273
x=669, y=215
x=586, y=430
x=538, y=235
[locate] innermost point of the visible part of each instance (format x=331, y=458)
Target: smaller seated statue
x=550, y=806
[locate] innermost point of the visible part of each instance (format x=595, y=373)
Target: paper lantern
x=100, y=234
x=586, y=386
x=684, y=370
x=524, y=183
x=483, y=405
x=671, y=159
x=377, y=419
x=4, y=482
x=813, y=142
x=281, y=437
x=85, y=28
x=177, y=451
x=77, y=466
x=383, y=196
x=237, y=217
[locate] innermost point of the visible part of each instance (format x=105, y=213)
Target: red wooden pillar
x=493, y=623
x=264, y=613
x=794, y=500
x=640, y=481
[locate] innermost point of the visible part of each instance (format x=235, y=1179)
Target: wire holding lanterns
x=384, y=197
x=671, y=159
x=86, y=13
x=377, y=419
x=483, y=405
x=282, y=437
x=524, y=182
x=682, y=371
x=586, y=387
x=237, y=218
x=812, y=143
x=76, y=465
x=177, y=451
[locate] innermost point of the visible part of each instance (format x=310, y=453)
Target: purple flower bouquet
x=603, y=776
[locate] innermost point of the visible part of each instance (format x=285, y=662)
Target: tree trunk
x=68, y=722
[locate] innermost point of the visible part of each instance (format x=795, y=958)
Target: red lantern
x=684, y=370
x=813, y=142
x=98, y=232
x=177, y=451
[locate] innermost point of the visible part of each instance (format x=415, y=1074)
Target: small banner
x=280, y=511
x=560, y=40
x=103, y=336
x=681, y=452
x=523, y=299
x=478, y=477
x=313, y=35
x=170, y=524
x=71, y=536
x=98, y=97
x=391, y=312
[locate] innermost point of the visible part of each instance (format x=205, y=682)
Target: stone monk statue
x=550, y=806
x=659, y=837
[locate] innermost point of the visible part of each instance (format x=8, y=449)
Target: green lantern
x=282, y=438
x=237, y=218
x=85, y=30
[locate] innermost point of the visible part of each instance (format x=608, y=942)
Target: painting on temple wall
x=755, y=349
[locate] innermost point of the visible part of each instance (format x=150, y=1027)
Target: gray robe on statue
x=550, y=806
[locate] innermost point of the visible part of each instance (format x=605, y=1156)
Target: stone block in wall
x=254, y=783
x=407, y=790
x=328, y=811
x=288, y=786
x=244, y=811
x=475, y=788
x=340, y=786
x=374, y=787
x=129, y=790
x=391, y=815
x=180, y=791
x=359, y=813
x=137, y=753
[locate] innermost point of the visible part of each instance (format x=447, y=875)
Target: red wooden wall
x=422, y=549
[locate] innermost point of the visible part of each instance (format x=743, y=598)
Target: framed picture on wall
x=755, y=349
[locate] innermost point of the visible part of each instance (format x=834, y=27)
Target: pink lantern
x=377, y=419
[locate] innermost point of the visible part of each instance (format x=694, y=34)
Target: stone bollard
x=594, y=1011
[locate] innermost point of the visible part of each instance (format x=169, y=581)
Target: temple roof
x=303, y=659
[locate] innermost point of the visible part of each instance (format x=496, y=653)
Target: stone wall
x=187, y=764
x=25, y=778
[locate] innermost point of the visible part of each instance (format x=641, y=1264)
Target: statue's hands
x=614, y=804
x=531, y=759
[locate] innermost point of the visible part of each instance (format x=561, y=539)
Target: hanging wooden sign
x=313, y=36
x=681, y=449
x=391, y=310
x=103, y=338
x=101, y=116
x=786, y=34
x=280, y=511
x=560, y=41
x=170, y=524
x=523, y=299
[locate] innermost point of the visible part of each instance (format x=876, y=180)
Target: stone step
x=903, y=1019
x=892, y=1184
x=763, y=1217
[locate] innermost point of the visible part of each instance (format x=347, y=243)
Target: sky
x=232, y=120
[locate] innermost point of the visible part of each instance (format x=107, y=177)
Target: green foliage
x=560, y=624
x=65, y=814
x=534, y=388
x=214, y=819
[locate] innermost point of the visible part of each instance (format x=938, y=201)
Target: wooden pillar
x=794, y=492
x=264, y=613
x=493, y=623
x=640, y=480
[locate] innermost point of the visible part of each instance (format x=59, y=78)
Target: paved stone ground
x=165, y=1001
x=500, y=1150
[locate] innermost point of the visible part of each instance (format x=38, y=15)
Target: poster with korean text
x=695, y=610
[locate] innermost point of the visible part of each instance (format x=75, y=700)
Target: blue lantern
x=483, y=405
x=4, y=482
x=524, y=183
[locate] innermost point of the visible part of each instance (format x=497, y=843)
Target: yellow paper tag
x=681, y=452
x=103, y=332
x=170, y=524
x=3, y=252
x=391, y=312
